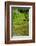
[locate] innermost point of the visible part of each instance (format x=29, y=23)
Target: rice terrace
x=20, y=18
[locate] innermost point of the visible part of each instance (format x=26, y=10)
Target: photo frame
x=19, y=22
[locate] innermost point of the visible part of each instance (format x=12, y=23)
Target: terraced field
x=20, y=23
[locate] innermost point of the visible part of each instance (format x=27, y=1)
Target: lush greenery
x=20, y=22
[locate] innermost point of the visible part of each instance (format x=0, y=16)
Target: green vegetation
x=20, y=22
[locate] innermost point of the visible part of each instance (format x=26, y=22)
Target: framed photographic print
x=19, y=22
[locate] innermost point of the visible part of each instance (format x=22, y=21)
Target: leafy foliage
x=20, y=22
